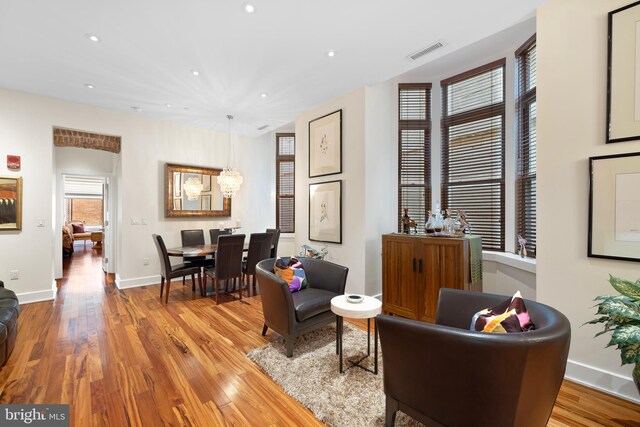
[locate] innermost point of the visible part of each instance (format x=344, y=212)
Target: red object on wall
x=13, y=163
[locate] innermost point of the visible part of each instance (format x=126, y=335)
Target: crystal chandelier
x=229, y=179
x=193, y=188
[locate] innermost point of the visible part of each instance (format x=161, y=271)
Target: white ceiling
x=148, y=48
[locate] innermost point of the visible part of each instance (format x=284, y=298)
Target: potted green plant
x=621, y=315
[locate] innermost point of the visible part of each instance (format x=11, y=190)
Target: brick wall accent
x=79, y=139
x=87, y=210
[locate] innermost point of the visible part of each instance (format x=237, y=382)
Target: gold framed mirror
x=194, y=191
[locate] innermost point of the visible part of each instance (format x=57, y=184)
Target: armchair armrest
x=277, y=304
x=325, y=275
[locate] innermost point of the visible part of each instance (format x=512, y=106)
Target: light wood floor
x=124, y=358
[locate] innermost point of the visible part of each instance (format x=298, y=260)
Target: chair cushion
x=77, y=228
x=508, y=316
x=311, y=302
x=291, y=272
x=7, y=294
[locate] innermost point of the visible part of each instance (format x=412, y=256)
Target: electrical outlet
x=145, y=261
x=15, y=274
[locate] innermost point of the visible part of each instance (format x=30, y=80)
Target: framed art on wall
x=325, y=145
x=614, y=206
x=325, y=212
x=623, y=74
x=10, y=203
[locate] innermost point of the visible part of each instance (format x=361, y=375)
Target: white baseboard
x=38, y=296
x=136, y=282
x=605, y=381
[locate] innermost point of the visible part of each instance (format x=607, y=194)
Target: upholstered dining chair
x=294, y=314
x=446, y=374
x=228, y=263
x=169, y=271
x=194, y=238
x=215, y=232
x=259, y=249
x=276, y=239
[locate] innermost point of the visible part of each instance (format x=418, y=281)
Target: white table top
x=369, y=307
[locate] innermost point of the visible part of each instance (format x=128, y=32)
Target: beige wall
x=572, y=87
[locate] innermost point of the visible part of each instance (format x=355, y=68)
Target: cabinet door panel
x=451, y=265
x=428, y=286
x=398, y=278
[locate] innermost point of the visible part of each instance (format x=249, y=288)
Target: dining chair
x=276, y=238
x=194, y=238
x=169, y=271
x=259, y=249
x=215, y=232
x=228, y=263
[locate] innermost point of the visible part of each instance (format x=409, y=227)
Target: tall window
x=285, y=181
x=473, y=150
x=526, y=147
x=414, y=151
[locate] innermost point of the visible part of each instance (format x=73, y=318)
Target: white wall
x=351, y=253
x=26, y=121
x=572, y=87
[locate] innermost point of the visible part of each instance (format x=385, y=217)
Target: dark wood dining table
x=197, y=250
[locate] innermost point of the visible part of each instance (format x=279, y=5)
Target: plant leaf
x=630, y=354
x=625, y=287
x=619, y=308
x=626, y=335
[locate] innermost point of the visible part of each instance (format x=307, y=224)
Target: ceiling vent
x=422, y=52
x=263, y=127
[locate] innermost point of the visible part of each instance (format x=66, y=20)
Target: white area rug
x=354, y=398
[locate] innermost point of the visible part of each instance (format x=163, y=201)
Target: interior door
x=106, y=227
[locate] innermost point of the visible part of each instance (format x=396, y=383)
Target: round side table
x=369, y=308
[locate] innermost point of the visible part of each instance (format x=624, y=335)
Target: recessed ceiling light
x=264, y=95
x=92, y=37
x=167, y=105
x=248, y=7
x=88, y=85
x=331, y=53
x=138, y=109
x=195, y=72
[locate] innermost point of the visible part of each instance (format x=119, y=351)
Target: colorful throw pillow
x=78, y=228
x=508, y=316
x=291, y=272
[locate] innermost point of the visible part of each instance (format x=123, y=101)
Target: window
x=285, y=182
x=473, y=150
x=526, y=144
x=414, y=151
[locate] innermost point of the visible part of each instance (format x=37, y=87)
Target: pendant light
x=229, y=179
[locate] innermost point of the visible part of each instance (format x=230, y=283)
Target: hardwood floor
x=124, y=358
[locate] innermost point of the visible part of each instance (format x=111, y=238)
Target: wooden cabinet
x=414, y=268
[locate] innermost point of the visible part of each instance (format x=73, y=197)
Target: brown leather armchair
x=446, y=374
x=295, y=314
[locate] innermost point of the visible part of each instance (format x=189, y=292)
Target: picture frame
x=325, y=212
x=623, y=74
x=614, y=203
x=10, y=203
x=325, y=145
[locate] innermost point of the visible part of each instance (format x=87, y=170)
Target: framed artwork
x=623, y=74
x=614, y=203
x=325, y=145
x=325, y=212
x=10, y=203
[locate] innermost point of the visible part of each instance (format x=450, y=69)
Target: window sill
x=512, y=260
x=288, y=236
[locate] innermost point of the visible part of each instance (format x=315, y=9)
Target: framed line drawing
x=10, y=203
x=614, y=203
x=325, y=212
x=623, y=74
x=325, y=145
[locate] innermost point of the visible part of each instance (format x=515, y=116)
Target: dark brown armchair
x=295, y=314
x=445, y=374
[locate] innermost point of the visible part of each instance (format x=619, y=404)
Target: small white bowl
x=354, y=299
